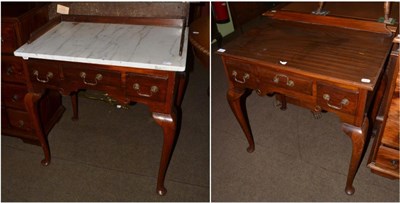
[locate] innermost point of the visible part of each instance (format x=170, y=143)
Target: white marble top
x=136, y=46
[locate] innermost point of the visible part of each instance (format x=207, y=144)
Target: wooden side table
x=322, y=63
x=137, y=61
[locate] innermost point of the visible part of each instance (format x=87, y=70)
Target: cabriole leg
x=168, y=123
x=358, y=138
x=31, y=103
x=237, y=101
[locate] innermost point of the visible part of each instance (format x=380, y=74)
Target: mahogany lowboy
x=159, y=90
x=312, y=64
x=162, y=91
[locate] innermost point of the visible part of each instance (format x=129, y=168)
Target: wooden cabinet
x=12, y=69
x=384, y=158
x=18, y=21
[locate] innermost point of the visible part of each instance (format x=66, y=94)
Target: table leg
x=183, y=79
x=237, y=101
x=74, y=101
x=168, y=122
x=358, y=138
x=31, y=104
x=282, y=101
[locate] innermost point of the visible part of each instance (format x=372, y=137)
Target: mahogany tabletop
x=332, y=53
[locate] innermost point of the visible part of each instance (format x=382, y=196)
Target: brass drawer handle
x=15, y=98
x=395, y=163
x=153, y=89
x=246, y=76
x=344, y=102
x=289, y=82
x=21, y=123
x=10, y=70
x=97, y=78
x=48, y=76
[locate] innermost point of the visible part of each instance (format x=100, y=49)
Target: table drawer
x=391, y=135
x=241, y=73
x=286, y=81
x=147, y=86
x=331, y=97
x=90, y=76
x=12, y=69
x=13, y=95
x=46, y=73
x=8, y=38
x=19, y=120
x=388, y=158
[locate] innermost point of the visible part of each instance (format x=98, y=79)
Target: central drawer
x=91, y=76
x=286, y=81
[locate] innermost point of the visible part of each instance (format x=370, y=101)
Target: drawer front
x=19, y=120
x=44, y=73
x=330, y=97
x=149, y=87
x=241, y=73
x=391, y=135
x=387, y=158
x=12, y=69
x=8, y=38
x=91, y=77
x=391, y=131
x=13, y=95
x=286, y=81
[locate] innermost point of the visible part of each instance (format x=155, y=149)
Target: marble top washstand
x=136, y=46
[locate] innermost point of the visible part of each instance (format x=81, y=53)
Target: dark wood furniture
x=18, y=21
x=323, y=63
x=243, y=12
x=385, y=155
x=199, y=37
x=68, y=72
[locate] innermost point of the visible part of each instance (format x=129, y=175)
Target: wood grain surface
x=336, y=54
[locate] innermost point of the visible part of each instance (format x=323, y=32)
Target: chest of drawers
x=384, y=158
x=18, y=21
